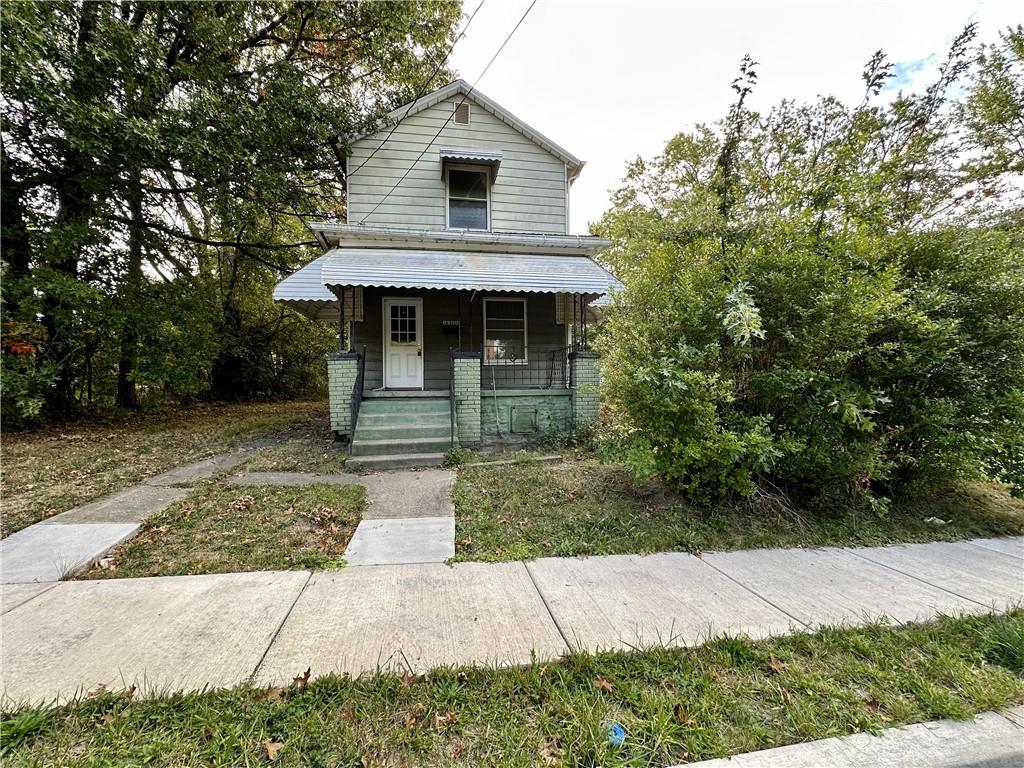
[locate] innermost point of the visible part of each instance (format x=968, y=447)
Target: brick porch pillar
x=467, y=397
x=342, y=370
x=586, y=403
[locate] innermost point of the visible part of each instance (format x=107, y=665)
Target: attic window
x=461, y=114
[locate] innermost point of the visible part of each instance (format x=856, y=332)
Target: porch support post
x=586, y=402
x=467, y=396
x=342, y=372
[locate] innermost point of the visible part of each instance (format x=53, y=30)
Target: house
x=461, y=300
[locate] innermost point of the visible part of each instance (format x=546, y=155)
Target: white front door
x=403, y=343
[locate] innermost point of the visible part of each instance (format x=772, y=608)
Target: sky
x=613, y=80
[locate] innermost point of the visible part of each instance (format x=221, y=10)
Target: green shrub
x=814, y=308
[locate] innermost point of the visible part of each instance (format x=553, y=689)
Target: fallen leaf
x=98, y=689
x=445, y=719
x=774, y=665
x=679, y=712
x=409, y=678
x=552, y=751
x=302, y=681
x=604, y=685
x=272, y=747
x=273, y=693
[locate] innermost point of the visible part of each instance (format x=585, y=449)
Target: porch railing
x=357, y=397
x=503, y=368
x=451, y=392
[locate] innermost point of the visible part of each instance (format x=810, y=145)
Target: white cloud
x=613, y=80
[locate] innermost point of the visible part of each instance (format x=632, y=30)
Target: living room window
x=504, y=331
x=468, y=197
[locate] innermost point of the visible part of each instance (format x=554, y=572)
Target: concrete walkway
x=409, y=515
x=990, y=740
x=65, y=544
x=183, y=633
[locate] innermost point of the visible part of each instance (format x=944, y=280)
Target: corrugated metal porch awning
x=460, y=270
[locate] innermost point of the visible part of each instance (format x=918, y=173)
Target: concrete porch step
x=403, y=419
x=400, y=460
x=387, y=430
x=394, y=405
x=389, y=447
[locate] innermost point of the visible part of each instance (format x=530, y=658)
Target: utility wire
x=423, y=89
x=451, y=114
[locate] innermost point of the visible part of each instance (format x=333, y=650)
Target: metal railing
x=451, y=391
x=357, y=398
x=503, y=368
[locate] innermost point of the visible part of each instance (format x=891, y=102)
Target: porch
x=492, y=334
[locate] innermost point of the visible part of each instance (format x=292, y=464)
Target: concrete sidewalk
x=184, y=633
x=990, y=740
x=62, y=545
x=409, y=516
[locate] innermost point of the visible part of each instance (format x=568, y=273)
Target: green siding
x=525, y=415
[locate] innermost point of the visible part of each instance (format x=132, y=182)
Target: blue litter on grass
x=614, y=733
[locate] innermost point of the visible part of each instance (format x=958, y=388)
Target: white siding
x=528, y=195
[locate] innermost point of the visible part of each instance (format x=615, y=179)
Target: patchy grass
x=51, y=470
x=530, y=510
x=221, y=528
x=727, y=697
x=306, y=447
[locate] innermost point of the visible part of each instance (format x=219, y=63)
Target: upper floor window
x=468, y=197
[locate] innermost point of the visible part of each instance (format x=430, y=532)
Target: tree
x=149, y=146
x=819, y=303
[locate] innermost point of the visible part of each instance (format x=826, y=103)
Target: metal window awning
x=487, y=157
x=460, y=270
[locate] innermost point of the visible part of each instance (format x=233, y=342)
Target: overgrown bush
x=822, y=302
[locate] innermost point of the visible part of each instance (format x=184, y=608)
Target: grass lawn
x=677, y=705
x=306, y=447
x=51, y=470
x=583, y=507
x=221, y=528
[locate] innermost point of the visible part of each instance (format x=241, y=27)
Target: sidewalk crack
x=273, y=639
x=547, y=607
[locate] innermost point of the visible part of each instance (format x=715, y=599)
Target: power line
x=423, y=89
x=451, y=114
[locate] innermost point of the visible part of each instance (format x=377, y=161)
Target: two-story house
x=461, y=299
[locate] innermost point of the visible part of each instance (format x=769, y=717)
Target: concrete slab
x=627, y=601
x=190, y=474
x=427, y=493
x=979, y=574
x=293, y=478
x=402, y=540
x=831, y=586
x=162, y=634
x=13, y=595
x=1013, y=545
x=130, y=506
x=986, y=741
x=42, y=553
x=416, y=617
x=1015, y=715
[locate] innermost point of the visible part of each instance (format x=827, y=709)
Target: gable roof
x=462, y=88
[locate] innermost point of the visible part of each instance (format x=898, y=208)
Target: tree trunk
x=127, y=393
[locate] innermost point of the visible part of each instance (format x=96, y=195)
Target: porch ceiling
x=460, y=270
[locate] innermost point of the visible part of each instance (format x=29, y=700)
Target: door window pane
x=403, y=323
